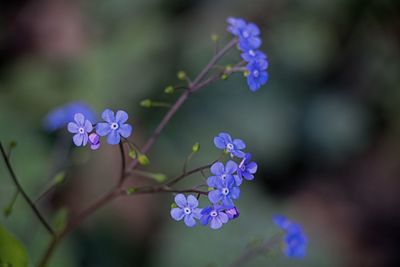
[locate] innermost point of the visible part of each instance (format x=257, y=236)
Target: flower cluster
x=249, y=42
x=114, y=127
x=294, y=241
x=223, y=183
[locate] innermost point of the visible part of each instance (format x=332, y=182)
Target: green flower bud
x=196, y=147
x=132, y=154
x=146, y=103
x=169, y=89
x=160, y=177
x=59, y=177
x=143, y=159
x=224, y=76
x=181, y=75
x=246, y=73
x=130, y=191
x=215, y=37
x=173, y=205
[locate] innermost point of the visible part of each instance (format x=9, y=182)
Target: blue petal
x=212, y=181
x=73, y=127
x=248, y=176
x=215, y=223
x=235, y=192
x=223, y=217
x=280, y=221
x=85, y=139
x=205, y=219
x=219, y=142
x=253, y=29
x=113, y=138
x=197, y=213
x=192, y=202
x=251, y=167
x=238, y=153
x=121, y=116
x=239, y=144
x=180, y=200
x=79, y=119
x=125, y=130
x=217, y=168
x=214, y=196
x=78, y=139
x=226, y=137
x=177, y=214
x=88, y=126
x=108, y=115
x=231, y=166
x=103, y=128
x=227, y=202
x=189, y=220
x=238, y=179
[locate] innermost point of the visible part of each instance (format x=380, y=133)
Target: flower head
x=94, y=140
x=186, y=210
x=295, y=241
x=247, y=168
x=221, y=172
x=114, y=127
x=214, y=216
x=226, y=191
x=234, y=147
x=253, y=55
x=232, y=213
x=236, y=25
x=257, y=74
x=249, y=37
x=81, y=127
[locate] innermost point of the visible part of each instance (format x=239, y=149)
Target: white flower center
x=187, y=211
x=223, y=177
x=243, y=167
x=252, y=53
x=229, y=147
x=114, y=126
x=81, y=130
x=225, y=191
x=256, y=73
x=213, y=213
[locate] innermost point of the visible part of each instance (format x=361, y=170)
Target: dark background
x=325, y=130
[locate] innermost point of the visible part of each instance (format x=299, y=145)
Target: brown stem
x=24, y=194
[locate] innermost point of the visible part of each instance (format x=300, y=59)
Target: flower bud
x=146, y=103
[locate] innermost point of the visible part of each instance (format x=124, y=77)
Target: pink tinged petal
x=231, y=167
x=189, y=220
x=177, y=214
x=108, y=115
x=223, y=217
x=215, y=223
x=88, y=126
x=125, y=130
x=239, y=144
x=78, y=139
x=113, y=138
x=103, y=128
x=214, y=196
x=180, y=200
x=192, y=202
x=219, y=142
x=94, y=138
x=217, y=168
x=95, y=147
x=79, y=119
x=72, y=127
x=121, y=116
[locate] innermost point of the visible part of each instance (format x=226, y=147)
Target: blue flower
x=81, y=127
x=257, y=74
x=253, y=55
x=295, y=241
x=224, y=141
x=214, y=216
x=247, y=168
x=232, y=213
x=59, y=117
x=187, y=209
x=249, y=37
x=236, y=25
x=114, y=127
x=221, y=172
x=226, y=191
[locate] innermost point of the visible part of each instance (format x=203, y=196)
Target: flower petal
x=85, y=139
x=227, y=202
x=197, y=213
x=103, y=128
x=231, y=167
x=238, y=153
x=73, y=127
x=215, y=223
x=223, y=217
x=219, y=142
x=214, y=196
x=79, y=118
x=248, y=176
x=108, y=115
x=217, y=168
x=88, y=126
x=212, y=181
x=226, y=137
x=177, y=214
x=189, y=220
x=113, y=138
x=235, y=192
x=78, y=139
x=180, y=200
x=239, y=144
x=125, y=130
x=192, y=202
x=121, y=116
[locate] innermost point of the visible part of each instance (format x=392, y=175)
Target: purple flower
x=232, y=213
x=221, y=172
x=214, y=216
x=187, y=209
x=114, y=127
x=80, y=128
x=257, y=74
x=224, y=141
x=94, y=140
x=295, y=241
x=249, y=37
x=236, y=25
x=247, y=168
x=226, y=190
x=253, y=55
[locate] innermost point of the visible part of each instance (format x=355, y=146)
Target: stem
x=185, y=174
x=123, y=164
x=24, y=194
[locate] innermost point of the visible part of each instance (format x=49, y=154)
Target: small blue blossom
x=114, y=127
x=236, y=25
x=257, y=75
x=81, y=127
x=187, y=209
x=234, y=147
x=221, y=172
x=253, y=55
x=225, y=192
x=232, y=213
x=214, y=216
x=247, y=168
x=59, y=117
x=295, y=241
x=248, y=33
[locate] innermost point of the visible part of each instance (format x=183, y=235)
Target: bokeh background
x=325, y=130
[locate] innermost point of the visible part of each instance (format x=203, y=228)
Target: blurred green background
x=324, y=130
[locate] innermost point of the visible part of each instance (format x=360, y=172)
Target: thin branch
x=24, y=194
x=123, y=164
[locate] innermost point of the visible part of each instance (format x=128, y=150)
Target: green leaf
x=12, y=251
